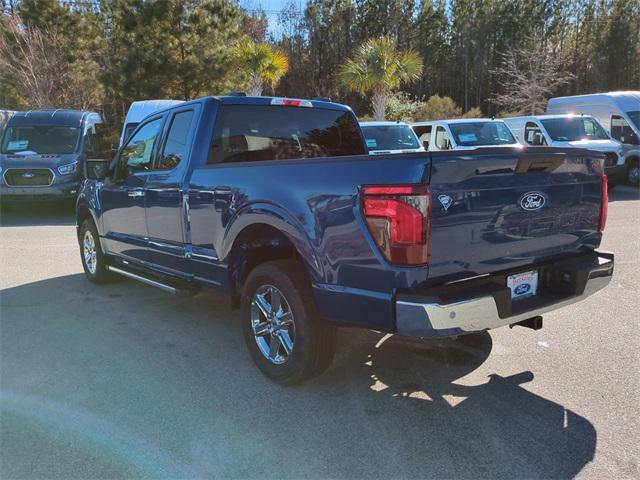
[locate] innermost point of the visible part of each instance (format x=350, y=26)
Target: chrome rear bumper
x=437, y=319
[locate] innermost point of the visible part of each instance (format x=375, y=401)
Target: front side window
x=533, y=135
x=91, y=132
x=247, y=133
x=176, y=147
x=389, y=137
x=136, y=156
x=571, y=129
x=41, y=139
x=423, y=132
x=129, y=129
x=442, y=139
x=476, y=134
x=635, y=118
x=622, y=131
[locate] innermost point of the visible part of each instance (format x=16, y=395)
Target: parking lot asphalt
x=128, y=381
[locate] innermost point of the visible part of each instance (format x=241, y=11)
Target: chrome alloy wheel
x=89, y=251
x=272, y=324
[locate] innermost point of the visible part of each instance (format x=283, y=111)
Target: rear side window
x=246, y=133
x=533, y=135
x=442, y=139
x=176, y=146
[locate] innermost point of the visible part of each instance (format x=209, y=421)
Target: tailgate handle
x=531, y=163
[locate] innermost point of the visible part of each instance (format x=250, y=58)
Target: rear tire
x=93, y=259
x=286, y=339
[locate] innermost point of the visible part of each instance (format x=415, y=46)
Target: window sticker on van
x=18, y=145
x=467, y=137
x=372, y=143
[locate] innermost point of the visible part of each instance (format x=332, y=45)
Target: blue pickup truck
x=276, y=201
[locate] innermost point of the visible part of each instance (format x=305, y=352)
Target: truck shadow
x=26, y=214
x=172, y=375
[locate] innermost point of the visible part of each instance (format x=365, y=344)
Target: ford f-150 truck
x=276, y=201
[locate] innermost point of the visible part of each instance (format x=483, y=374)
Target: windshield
x=476, y=134
x=635, y=118
x=42, y=139
x=571, y=129
x=389, y=137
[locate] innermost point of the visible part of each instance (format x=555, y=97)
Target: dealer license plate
x=523, y=284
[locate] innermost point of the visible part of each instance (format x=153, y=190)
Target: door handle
x=136, y=193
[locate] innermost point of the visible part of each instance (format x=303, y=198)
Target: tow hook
x=534, y=323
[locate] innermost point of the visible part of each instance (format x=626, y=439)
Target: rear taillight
x=604, y=205
x=399, y=219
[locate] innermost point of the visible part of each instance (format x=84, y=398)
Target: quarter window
x=622, y=131
x=136, y=156
x=176, y=147
x=442, y=139
x=533, y=135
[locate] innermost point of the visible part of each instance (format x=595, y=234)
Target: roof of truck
x=382, y=123
x=246, y=100
x=71, y=118
x=459, y=120
x=547, y=117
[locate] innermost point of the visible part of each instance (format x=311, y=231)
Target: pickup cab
x=277, y=202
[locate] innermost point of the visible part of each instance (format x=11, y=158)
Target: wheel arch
x=259, y=236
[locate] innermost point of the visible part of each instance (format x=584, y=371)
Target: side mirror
x=96, y=168
x=425, y=144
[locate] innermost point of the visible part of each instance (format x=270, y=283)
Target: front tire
x=286, y=339
x=93, y=258
x=633, y=173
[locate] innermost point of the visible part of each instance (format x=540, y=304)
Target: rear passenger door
x=166, y=210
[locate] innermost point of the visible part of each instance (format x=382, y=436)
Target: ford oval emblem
x=522, y=289
x=532, y=201
x=28, y=175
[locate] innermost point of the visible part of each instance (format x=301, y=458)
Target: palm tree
x=378, y=67
x=261, y=63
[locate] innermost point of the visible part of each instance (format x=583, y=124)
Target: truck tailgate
x=497, y=209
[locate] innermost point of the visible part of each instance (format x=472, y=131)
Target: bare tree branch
x=38, y=62
x=528, y=78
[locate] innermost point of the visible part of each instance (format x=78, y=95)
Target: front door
x=165, y=207
x=123, y=196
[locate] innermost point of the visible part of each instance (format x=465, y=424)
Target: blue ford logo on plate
x=522, y=289
x=532, y=201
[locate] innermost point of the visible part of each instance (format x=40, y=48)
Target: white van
x=140, y=110
x=580, y=131
x=5, y=116
x=464, y=134
x=618, y=112
x=390, y=137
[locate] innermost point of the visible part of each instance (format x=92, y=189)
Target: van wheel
x=286, y=339
x=633, y=173
x=93, y=259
